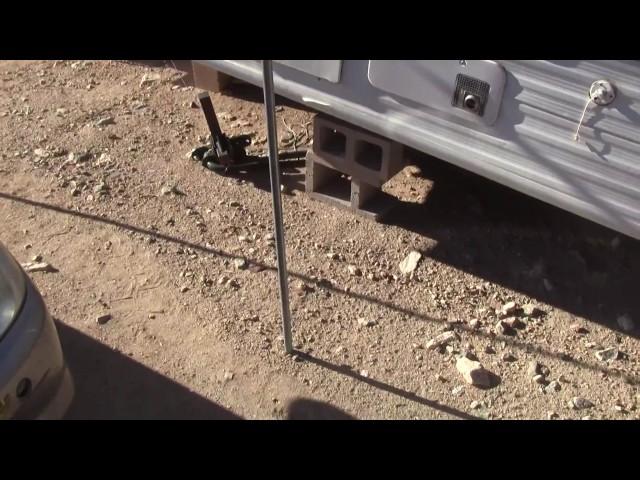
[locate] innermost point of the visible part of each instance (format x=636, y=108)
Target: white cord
x=576, y=137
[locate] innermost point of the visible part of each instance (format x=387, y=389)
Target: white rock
x=240, y=263
x=149, y=78
x=31, y=267
x=441, y=340
x=473, y=372
x=410, y=262
x=366, y=322
x=579, y=403
x=509, y=308
x=354, y=271
x=607, y=354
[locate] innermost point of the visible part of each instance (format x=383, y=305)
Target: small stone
x=102, y=319
x=513, y=322
x=354, y=271
x=413, y=171
x=473, y=372
x=269, y=237
x=503, y=328
x=332, y=256
x=28, y=246
x=184, y=289
x=553, y=386
x=608, y=354
x=539, y=379
x=240, y=263
x=535, y=368
x=508, y=357
x=149, y=78
x=457, y=390
x=36, y=258
x=105, y=121
x=233, y=203
x=530, y=310
x=40, y=152
x=442, y=340
x=440, y=378
x=366, y=322
x=222, y=280
x=252, y=318
x=475, y=404
x=626, y=323
x=580, y=403
x=509, y=308
x=32, y=267
x=552, y=415
x=410, y=263
x=151, y=316
x=474, y=323
x=579, y=329
x=364, y=373
x=100, y=187
x=228, y=375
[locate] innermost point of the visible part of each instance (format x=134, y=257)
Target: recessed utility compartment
x=471, y=89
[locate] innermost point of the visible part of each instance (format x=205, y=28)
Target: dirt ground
x=94, y=177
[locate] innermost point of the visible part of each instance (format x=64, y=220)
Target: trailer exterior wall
x=530, y=147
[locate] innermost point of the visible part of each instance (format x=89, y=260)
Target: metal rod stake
x=274, y=172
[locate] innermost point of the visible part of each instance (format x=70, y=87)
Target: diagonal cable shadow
x=343, y=370
x=513, y=342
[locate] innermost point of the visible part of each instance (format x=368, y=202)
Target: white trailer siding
x=529, y=146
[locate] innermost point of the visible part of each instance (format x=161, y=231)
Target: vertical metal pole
x=274, y=172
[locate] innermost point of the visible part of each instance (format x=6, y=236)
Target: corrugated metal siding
x=530, y=147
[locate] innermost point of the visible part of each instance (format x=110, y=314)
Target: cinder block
x=326, y=184
x=355, y=151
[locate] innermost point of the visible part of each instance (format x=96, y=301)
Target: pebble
x=580, y=403
x=105, y=121
x=539, y=379
x=508, y=357
x=332, y=256
x=184, y=289
x=502, y=328
x=32, y=267
x=366, y=322
x=553, y=386
x=626, y=323
x=410, y=262
x=413, y=171
x=475, y=404
x=354, y=271
x=536, y=368
x=442, y=340
x=269, y=237
x=228, y=375
x=552, y=415
x=474, y=323
x=102, y=319
x=40, y=152
x=489, y=349
x=222, y=280
x=513, y=322
x=36, y=258
x=607, y=354
x=457, y=390
x=531, y=310
x=579, y=329
x=473, y=372
x=149, y=78
x=509, y=308
x=240, y=263
x=440, y=378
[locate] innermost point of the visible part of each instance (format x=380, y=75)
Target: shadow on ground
x=110, y=385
